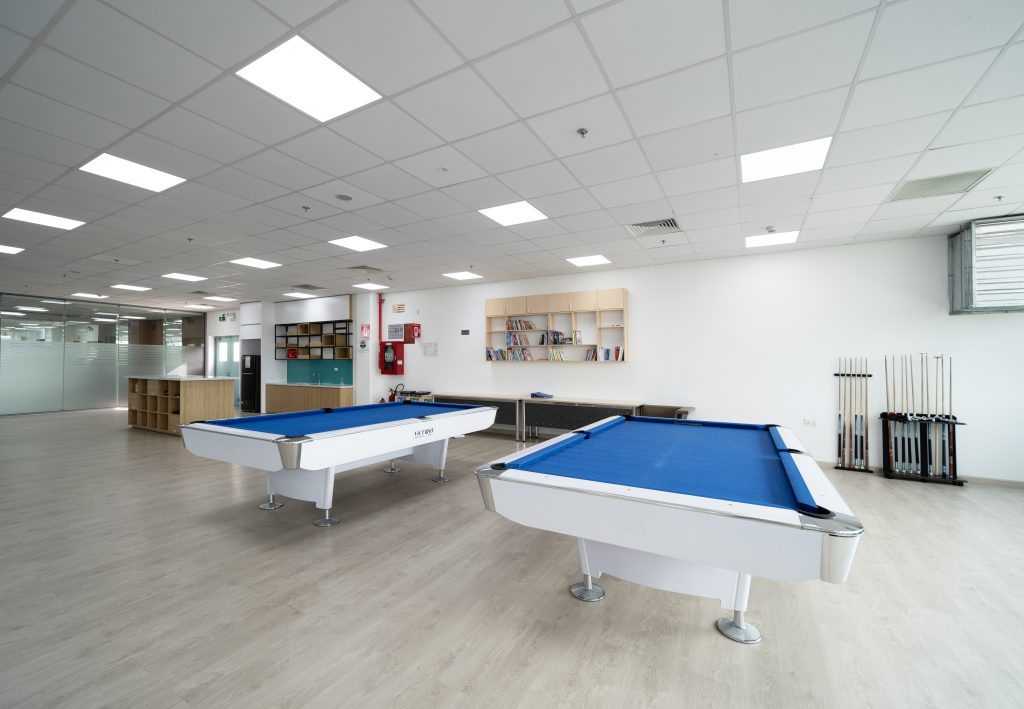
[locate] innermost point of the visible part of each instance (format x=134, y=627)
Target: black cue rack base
x=856, y=470
x=926, y=479
x=949, y=423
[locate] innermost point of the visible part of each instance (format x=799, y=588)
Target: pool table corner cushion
x=694, y=507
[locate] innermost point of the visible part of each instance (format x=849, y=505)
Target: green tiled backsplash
x=331, y=371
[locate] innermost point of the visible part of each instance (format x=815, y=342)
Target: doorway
x=227, y=360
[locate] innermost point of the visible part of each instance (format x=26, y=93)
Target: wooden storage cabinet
x=330, y=339
x=581, y=326
x=164, y=403
x=282, y=398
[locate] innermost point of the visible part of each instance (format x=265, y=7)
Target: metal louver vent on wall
x=659, y=226
x=986, y=266
x=935, y=186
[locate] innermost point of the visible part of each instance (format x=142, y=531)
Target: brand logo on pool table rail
x=423, y=432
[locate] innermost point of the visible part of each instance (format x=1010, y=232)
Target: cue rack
x=918, y=426
x=852, y=419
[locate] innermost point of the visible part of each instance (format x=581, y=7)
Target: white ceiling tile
x=665, y=103
x=705, y=201
x=214, y=199
x=494, y=236
x=465, y=223
x=780, y=70
x=616, y=162
x=845, y=199
x=878, y=226
x=829, y=233
x=767, y=212
x=154, y=217
x=865, y=174
x=713, y=234
x=884, y=141
x=389, y=55
x=386, y=130
x=535, y=230
x=301, y=205
x=548, y=178
x=199, y=135
x=431, y=205
x=441, y=167
x=790, y=122
x=601, y=117
x=324, y=149
x=642, y=211
x=505, y=149
x=481, y=194
x=247, y=110
x=914, y=93
x=27, y=166
x=157, y=154
x=838, y=217
x=693, y=178
x=11, y=47
x=457, y=105
x=281, y=169
x=1006, y=175
x=388, y=214
x=295, y=12
x=565, y=203
x=959, y=217
x=753, y=21
x=956, y=158
x=1004, y=78
x=586, y=221
x=914, y=207
x=704, y=220
x=242, y=184
x=675, y=35
x=779, y=188
x=633, y=190
x=37, y=111
x=561, y=241
x=347, y=223
x=918, y=32
x=547, y=72
x=107, y=40
x=987, y=120
x=428, y=229
x=210, y=29
x=976, y=198
x=268, y=215
x=28, y=17
x=389, y=182
x=691, y=145
x=477, y=27
x=781, y=224
x=22, y=139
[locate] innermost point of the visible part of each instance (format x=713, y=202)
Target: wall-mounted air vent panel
x=986, y=266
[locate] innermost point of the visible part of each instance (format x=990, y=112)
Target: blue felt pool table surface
x=304, y=423
x=737, y=462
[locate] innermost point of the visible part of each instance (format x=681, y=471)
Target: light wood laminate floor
x=136, y=575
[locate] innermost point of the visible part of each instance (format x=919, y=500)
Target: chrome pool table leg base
x=392, y=469
x=271, y=504
x=326, y=520
x=738, y=629
x=587, y=590
x=440, y=478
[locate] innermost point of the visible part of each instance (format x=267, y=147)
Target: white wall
x=750, y=339
x=215, y=327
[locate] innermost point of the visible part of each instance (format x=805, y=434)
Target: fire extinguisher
x=393, y=394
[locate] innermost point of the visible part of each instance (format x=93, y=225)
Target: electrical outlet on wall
x=811, y=423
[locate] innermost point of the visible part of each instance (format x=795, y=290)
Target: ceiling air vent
x=659, y=226
x=365, y=269
x=200, y=292
x=306, y=286
x=935, y=186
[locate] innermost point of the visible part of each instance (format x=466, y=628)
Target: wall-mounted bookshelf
x=331, y=339
x=581, y=326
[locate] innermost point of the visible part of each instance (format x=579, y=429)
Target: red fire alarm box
x=392, y=357
x=412, y=331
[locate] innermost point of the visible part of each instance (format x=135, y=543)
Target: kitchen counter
x=301, y=396
x=310, y=384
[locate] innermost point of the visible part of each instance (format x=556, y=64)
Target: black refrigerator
x=250, y=385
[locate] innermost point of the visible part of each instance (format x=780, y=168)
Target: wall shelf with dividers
x=580, y=326
x=164, y=403
x=330, y=339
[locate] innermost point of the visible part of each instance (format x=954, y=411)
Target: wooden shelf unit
x=330, y=339
x=580, y=326
x=164, y=403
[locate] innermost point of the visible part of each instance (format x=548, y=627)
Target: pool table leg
x=326, y=520
x=587, y=590
x=271, y=503
x=737, y=628
x=392, y=468
x=440, y=477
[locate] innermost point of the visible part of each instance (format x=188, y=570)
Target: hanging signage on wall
x=364, y=330
x=396, y=332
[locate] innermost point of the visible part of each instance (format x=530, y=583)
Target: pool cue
x=851, y=444
x=944, y=445
x=937, y=463
x=867, y=422
x=914, y=460
x=839, y=415
x=888, y=423
x=857, y=423
x=903, y=411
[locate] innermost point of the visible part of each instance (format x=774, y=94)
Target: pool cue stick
x=887, y=427
x=867, y=422
x=852, y=443
x=944, y=445
x=937, y=463
x=855, y=383
x=903, y=411
x=839, y=415
x=846, y=413
x=913, y=408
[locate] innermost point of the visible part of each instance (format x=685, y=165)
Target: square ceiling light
x=787, y=160
x=219, y=298
x=31, y=309
x=255, y=263
x=10, y=249
x=299, y=295
x=369, y=286
x=124, y=286
x=25, y=215
x=513, y=213
x=97, y=296
x=184, y=277
x=581, y=261
x=462, y=275
x=358, y=243
x=772, y=239
x=131, y=173
x=307, y=79
x=199, y=306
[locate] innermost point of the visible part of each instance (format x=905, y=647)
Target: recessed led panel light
x=219, y=298
x=514, y=213
x=132, y=173
x=307, y=79
x=10, y=249
x=104, y=320
x=255, y=263
x=184, y=277
x=462, y=275
x=112, y=315
x=358, y=243
x=299, y=295
x=787, y=160
x=133, y=317
x=123, y=286
x=369, y=286
x=595, y=260
x=199, y=306
x=89, y=295
x=24, y=215
x=12, y=313
x=56, y=302
x=32, y=309
x=773, y=239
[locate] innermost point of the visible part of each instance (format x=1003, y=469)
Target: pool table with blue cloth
x=694, y=507
x=302, y=451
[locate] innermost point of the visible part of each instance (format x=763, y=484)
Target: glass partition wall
x=58, y=354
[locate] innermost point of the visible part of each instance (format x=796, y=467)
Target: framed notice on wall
x=396, y=332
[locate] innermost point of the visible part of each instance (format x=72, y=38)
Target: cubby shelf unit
x=164, y=403
x=330, y=339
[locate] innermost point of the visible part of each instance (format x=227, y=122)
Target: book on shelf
x=495, y=354
x=519, y=325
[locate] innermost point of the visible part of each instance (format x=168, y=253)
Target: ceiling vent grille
x=936, y=186
x=365, y=269
x=659, y=226
x=306, y=286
